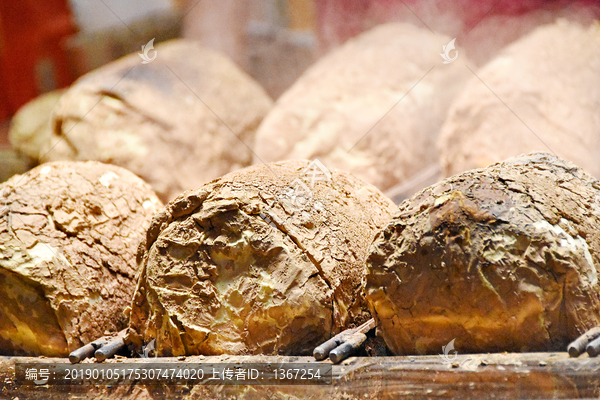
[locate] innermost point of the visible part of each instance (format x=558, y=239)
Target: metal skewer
x=109, y=346
x=344, y=344
x=585, y=343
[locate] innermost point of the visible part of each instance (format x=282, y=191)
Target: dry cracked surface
x=251, y=264
x=500, y=259
x=69, y=233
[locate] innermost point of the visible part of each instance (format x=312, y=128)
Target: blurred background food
x=184, y=119
x=47, y=46
x=30, y=129
x=351, y=109
x=384, y=84
x=549, y=83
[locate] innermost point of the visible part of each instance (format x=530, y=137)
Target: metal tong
x=103, y=348
x=344, y=344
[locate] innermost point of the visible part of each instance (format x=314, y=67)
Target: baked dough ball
x=68, y=238
x=500, y=259
x=266, y=260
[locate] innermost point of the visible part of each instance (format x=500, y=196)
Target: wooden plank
x=474, y=376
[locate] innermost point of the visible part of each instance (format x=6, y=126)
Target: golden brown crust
x=238, y=266
x=500, y=259
x=68, y=235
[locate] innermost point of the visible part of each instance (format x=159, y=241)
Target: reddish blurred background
x=32, y=60
x=45, y=45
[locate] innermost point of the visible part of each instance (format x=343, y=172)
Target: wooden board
x=475, y=376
